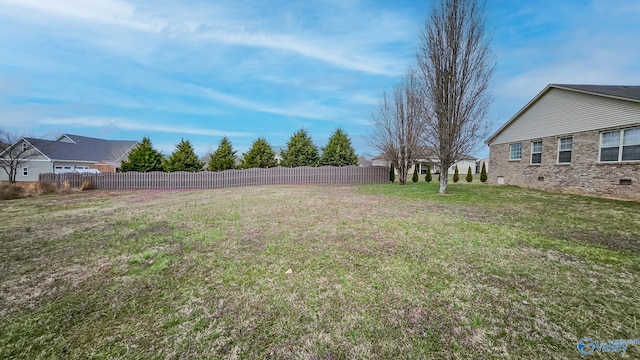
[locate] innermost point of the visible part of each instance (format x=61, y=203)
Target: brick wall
x=583, y=175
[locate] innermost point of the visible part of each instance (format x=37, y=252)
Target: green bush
x=414, y=178
x=392, y=174
x=438, y=177
x=428, y=177
x=483, y=173
x=456, y=176
x=469, y=177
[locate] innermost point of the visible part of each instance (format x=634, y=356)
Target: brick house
x=576, y=138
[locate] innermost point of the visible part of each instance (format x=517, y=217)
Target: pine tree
x=414, y=178
x=224, y=158
x=300, y=151
x=469, y=177
x=392, y=174
x=456, y=176
x=183, y=158
x=483, y=173
x=260, y=155
x=428, y=177
x=143, y=158
x=338, y=151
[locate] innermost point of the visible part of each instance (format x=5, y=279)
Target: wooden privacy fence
x=228, y=178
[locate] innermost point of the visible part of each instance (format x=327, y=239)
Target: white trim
x=27, y=141
x=560, y=138
x=511, y=151
x=532, y=152
x=65, y=136
x=620, y=146
x=25, y=169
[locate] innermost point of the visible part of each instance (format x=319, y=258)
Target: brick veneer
x=583, y=175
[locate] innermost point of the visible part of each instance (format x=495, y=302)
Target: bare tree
x=455, y=61
x=398, y=125
x=12, y=154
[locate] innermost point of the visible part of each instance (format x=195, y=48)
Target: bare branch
x=455, y=62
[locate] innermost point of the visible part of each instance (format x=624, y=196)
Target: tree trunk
x=444, y=178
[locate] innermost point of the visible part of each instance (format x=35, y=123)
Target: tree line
x=300, y=151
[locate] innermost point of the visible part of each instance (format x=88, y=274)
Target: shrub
x=88, y=185
x=392, y=174
x=47, y=188
x=438, y=177
x=469, y=177
x=428, y=177
x=414, y=178
x=483, y=173
x=456, y=176
x=11, y=191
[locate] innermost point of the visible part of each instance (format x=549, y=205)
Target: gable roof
x=620, y=92
x=83, y=148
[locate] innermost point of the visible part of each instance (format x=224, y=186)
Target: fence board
x=228, y=178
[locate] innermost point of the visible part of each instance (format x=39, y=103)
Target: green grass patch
x=318, y=272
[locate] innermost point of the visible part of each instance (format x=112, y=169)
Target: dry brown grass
x=202, y=274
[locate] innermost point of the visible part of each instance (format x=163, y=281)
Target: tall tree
x=143, y=158
x=398, y=125
x=183, y=158
x=14, y=153
x=339, y=151
x=300, y=151
x=224, y=158
x=260, y=155
x=455, y=62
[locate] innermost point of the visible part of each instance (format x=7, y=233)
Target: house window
x=516, y=152
x=564, y=150
x=536, y=152
x=25, y=171
x=24, y=146
x=620, y=145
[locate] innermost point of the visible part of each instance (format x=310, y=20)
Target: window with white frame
x=536, y=152
x=515, y=152
x=565, y=147
x=25, y=171
x=620, y=145
x=24, y=146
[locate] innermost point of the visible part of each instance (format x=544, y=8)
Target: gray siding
x=35, y=168
x=561, y=112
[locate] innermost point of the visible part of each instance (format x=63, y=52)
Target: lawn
x=375, y=271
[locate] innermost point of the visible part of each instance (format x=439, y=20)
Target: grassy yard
x=377, y=271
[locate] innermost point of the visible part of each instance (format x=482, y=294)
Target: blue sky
x=200, y=69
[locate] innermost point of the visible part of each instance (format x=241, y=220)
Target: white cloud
x=127, y=124
x=305, y=109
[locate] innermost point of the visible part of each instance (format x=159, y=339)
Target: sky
x=203, y=69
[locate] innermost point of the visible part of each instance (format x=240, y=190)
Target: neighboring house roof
x=620, y=92
x=83, y=148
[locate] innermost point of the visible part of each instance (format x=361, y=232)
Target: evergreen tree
x=414, y=178
x=456, y=176
x=224, y=158
x=392, y=174
x=183, y=158
x=300, y=151
x=338, y=151
x=143, y=158
x=260, y=155
x=428, y=177
x=469, y=177
x=483, y=173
